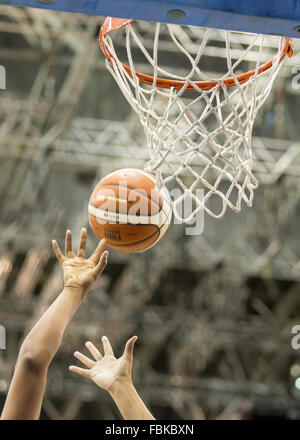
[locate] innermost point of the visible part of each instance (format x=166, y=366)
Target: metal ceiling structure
x=213, y=312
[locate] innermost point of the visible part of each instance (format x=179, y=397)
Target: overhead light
x=297, y=383
x=295, y=370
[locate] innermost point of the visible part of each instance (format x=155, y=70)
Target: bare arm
x=129, y=402
x=114, y=375
x=27, y=388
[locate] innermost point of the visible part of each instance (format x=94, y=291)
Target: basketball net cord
x=198, y=128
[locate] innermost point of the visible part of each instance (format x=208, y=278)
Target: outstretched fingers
x=82, y=243
x=68, y=244
x=84, y=359
x=94, y=351
x=128, y=351
x=98, y=269
x=82, y=371
x=97, y=252
x=58, y=252
x=107, y=347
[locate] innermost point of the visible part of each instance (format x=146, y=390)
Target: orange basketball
x=127, y=210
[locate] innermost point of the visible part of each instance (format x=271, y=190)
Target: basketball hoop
x=198, y=128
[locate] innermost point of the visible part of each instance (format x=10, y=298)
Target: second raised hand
x=106, y=370
x=80, y=273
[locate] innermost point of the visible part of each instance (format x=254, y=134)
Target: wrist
x=120, y=386
x=76, y=292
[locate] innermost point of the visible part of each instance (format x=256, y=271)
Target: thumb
x=98, y=269
x=128, y=351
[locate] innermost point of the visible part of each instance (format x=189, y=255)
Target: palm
x=108, y=370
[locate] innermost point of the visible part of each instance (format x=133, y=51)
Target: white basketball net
x=199, y=141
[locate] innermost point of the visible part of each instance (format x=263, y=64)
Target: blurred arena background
x=213, y=312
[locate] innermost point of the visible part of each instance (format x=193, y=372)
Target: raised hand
x=106, y=371
x=80, y=273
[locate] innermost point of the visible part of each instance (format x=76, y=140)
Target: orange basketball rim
x=112, y=24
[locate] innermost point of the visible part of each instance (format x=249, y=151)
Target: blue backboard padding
x=259, y=16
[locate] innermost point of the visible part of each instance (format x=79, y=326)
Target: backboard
x=274, y=17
